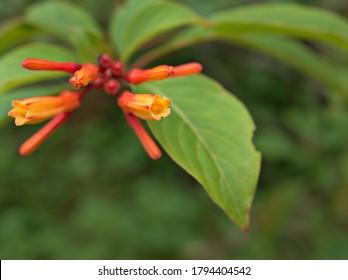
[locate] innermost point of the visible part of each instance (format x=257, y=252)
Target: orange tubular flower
x=137, y=76
x=35, y=141
x=149, y=145
x=85, y=75
x=106, y=74
x=37, y=109
x=187, y=69
x=48, y=65
x=144, y=106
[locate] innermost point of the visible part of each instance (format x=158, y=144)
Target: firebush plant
x=202, y=126
x=105, y=75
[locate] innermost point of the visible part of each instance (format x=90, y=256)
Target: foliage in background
x=216, y=149
x=77, y=210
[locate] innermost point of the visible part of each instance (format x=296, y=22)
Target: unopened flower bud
x=111, y=87
x=117, y=68
x=48, y=65
x=104, y=61
x=99, y=82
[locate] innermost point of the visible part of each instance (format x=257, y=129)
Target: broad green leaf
x=6, y=99
x=61, y=18
x=209, y=134
x=13, y=75
x=283, y=49
x=286, y=19
x=88, y=45
x=68, y=22
x=137, y=22
x=188, y=37
x=298, y=56
x=14, y=32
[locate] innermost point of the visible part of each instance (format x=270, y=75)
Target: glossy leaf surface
x=61, y=19
x=287, y=19
x=137, y=22
x=298, y=56
x=285, y=50
x=70, y=23
x=15, y=32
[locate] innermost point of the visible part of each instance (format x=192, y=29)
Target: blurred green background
x=91, y=192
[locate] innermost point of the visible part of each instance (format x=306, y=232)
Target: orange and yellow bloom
x=37, y=109
x=85, y=75
x=107, y=75
x=144, y=106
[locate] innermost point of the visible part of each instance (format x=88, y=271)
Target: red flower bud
x=111, y=87
x=104, y=60
x=117, y=68
x=99, y=82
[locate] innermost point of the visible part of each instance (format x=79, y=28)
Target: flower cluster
x=107, y=75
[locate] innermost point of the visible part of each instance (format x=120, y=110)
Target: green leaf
x=298, y=56
x=188, y=37
x=6, y=99
x=88, y=45
x=61, y=18
x=209, y=134
x=14, y=32
x=286, y=19
x=137, y=22
x=13, y=75
x=286, y=50
x=68, y=22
